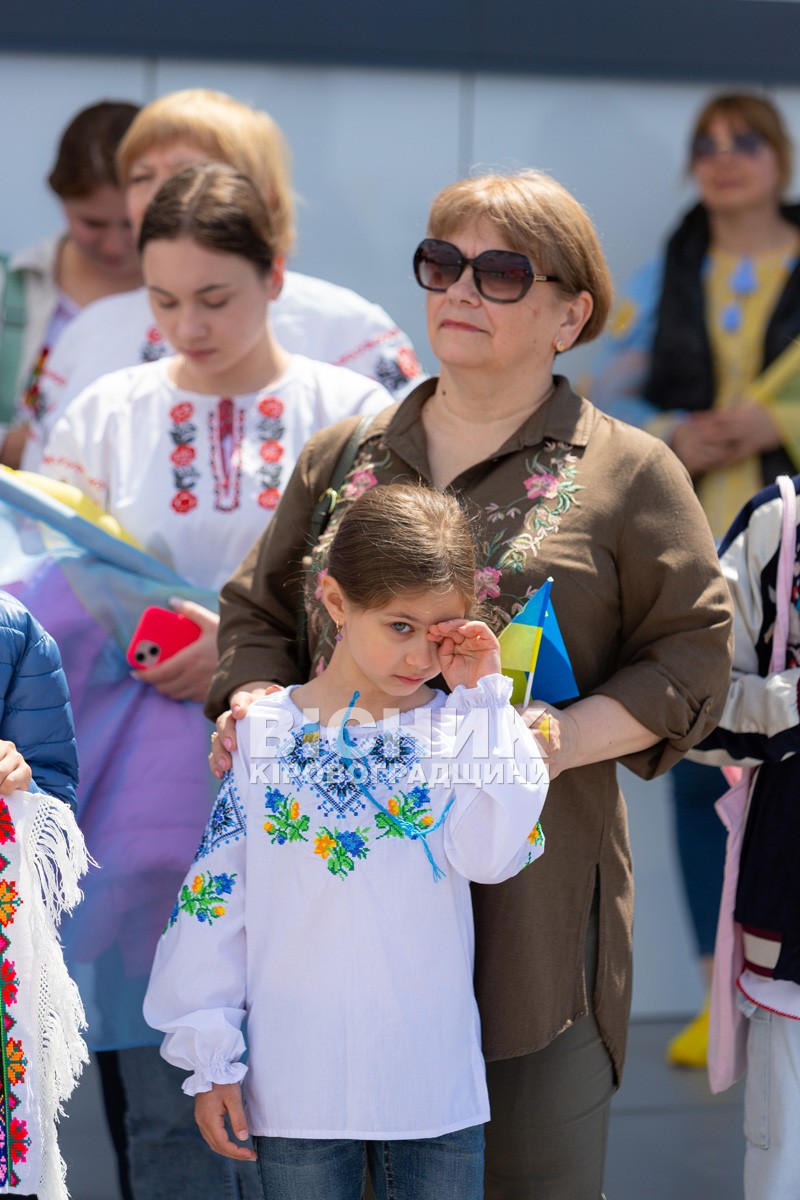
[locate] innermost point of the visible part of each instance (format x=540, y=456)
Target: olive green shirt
x=610, y=514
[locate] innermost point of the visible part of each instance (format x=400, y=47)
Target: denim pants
x=168, y=1158
x=771, y=1105
x=700, y=838
x=442, y=1168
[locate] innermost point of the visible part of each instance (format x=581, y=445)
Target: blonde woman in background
x=311, y=316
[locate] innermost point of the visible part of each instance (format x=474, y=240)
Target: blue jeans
x=700, y=837
x=442, y=1168
x=168, y=1158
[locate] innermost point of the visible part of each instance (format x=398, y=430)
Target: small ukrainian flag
x=533, y=654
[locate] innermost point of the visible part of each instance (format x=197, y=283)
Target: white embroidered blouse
x=313, y=909
x=195, y=478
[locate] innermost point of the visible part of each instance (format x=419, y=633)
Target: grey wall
x=371, y=147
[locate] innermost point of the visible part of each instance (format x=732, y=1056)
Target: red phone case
x=160, y=634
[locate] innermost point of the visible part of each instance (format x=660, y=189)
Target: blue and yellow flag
x=531, y=645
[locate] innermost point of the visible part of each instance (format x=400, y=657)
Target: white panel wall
x=370, y=149
x=38, y=97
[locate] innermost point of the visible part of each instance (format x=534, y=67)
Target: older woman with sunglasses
x=514, y=275
x=686, y=343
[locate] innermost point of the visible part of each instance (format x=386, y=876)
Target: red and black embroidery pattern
x=184, y=473
x=270, y=429
x=154, y=347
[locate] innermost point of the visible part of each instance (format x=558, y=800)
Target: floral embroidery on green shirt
x=551, y=478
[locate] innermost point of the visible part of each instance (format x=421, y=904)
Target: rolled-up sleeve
x=676, y=628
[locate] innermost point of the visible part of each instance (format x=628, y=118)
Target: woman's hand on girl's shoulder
x=210, y=1110
x=467, y=650
x=15, y=774
x=223, y=739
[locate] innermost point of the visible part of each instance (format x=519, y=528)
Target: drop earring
x=339, y=629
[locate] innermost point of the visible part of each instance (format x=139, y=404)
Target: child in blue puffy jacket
x=42, y=856
x=37, y=739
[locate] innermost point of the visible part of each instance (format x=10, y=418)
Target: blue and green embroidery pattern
x=227, y=821
x=340, y=848
x=204, y=898
x=412, y=813
x=284, y=822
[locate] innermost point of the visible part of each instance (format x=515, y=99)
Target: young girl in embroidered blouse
x=329, y=900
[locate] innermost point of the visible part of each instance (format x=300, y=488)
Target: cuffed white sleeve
x=209, y=1043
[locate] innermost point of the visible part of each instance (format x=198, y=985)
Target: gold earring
x=339, y=629
x=560, y=347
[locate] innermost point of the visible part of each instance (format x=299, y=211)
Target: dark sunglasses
x=746, y=142
x=501, y=276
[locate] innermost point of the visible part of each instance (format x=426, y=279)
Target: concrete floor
x=670, y=1139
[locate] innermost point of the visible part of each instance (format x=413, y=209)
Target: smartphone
x=160, y=634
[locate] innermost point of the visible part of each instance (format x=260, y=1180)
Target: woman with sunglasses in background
x=695, y=329
x=514, y=275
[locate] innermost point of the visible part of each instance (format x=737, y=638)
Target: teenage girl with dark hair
x=47, y=284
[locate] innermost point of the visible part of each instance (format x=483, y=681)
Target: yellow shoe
x=689, y=1048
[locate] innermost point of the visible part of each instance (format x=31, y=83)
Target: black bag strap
x=323, y=511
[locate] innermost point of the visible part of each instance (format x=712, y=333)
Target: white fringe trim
x=56, y=855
